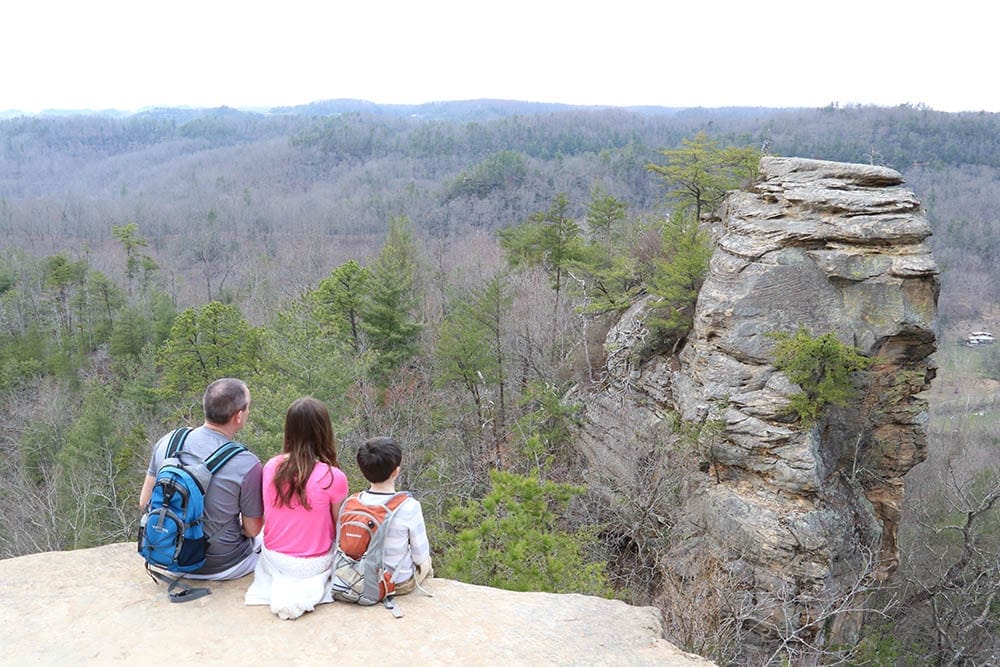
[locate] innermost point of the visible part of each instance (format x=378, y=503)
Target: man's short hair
x=223, y=399
x=378, y=457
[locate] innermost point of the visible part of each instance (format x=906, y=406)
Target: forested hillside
x=266, y=179
x=443, y=273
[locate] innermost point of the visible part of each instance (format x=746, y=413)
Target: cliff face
x=98, y=606
x=796, y=518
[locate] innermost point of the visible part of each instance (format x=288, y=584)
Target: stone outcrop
x=798, y=518
x=98, y=606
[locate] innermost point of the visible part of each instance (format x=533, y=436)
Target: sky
x=132, y=54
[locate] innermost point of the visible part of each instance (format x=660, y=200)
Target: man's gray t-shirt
x=235, y=489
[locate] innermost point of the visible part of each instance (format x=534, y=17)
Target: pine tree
x=511, y=539
x=470, y=352
x=550, y=239
x=128, y=236
x=604, y=214
x=390, y=309
x=340, y=300
x=678, y=276
x=92, y=486
x=132, y=331
x=205, y=344
x=701, y=172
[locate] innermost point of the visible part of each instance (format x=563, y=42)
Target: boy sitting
x=406, y=548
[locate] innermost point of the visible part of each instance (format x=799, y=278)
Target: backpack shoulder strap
x=356, y=497
x=394, y=502
x=222, y=455
x=215, y=461
x=391, y=505
x=177, y=439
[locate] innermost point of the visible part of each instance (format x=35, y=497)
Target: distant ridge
x=50, y=113
x=454, y=110
x=484, y=109
x=479, y=109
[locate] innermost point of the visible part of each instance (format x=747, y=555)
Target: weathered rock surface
x=98, y=606
x=797, y=516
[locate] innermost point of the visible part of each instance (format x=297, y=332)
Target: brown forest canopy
x=341, y=169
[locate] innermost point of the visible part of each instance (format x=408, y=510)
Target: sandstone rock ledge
x=97, y=606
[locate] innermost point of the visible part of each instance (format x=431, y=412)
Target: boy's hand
x=424, y=570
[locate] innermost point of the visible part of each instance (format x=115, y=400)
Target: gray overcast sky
x=130, y=54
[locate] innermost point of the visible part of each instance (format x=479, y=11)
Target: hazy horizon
x=113, y=54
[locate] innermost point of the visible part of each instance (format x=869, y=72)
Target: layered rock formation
x=98, y=607
x=798, y=518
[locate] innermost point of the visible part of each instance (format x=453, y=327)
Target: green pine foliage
x=700, y=172
x=22, y=359
x=464, y=352
x=822, y=366
x=140, y=383
x=512, y=539
x=609, y=287
x=605, y=217
x=161, y=313
x=546, y=427
x=137, y=264
x=205, y=344
x=550, y=239
x=131, y=332
x=678, y=274
x=95, y=306
x=605, y=269
x=499, y=171
x=470, y=353
x=90, y=473
x=389, y=312
x=300, y=357
x=339, y=302
x=697, y=175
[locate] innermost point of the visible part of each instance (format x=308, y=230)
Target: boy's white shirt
x=406, y=543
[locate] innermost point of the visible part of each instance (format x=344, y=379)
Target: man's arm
x=252, y=525
x=147, y=491
x=252, y=501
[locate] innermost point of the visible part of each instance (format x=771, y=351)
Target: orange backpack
x=359, y=571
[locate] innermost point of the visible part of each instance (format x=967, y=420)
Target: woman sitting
x=303, y=490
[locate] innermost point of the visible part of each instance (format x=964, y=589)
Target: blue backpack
x=171, y=532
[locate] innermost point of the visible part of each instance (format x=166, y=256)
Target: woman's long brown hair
x=308, y=439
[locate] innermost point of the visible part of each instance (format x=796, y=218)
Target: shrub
x=821, y=366
x=510, y=539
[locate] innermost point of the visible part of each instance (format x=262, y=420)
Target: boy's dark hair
x=378, y=457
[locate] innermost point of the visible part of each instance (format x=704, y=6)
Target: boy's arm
x=420, y=548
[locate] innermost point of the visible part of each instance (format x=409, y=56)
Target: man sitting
x=234, y=508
